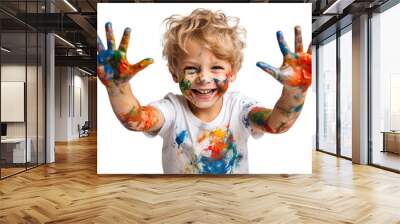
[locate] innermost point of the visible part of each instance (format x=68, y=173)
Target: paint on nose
x=203, y=79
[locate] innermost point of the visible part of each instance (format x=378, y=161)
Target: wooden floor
x=70, y=191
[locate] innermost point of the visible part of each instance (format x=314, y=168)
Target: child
x=204, y=130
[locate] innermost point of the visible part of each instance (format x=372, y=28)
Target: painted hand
x=296, y=67
x=113, y=68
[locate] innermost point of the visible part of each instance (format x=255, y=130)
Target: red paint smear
x=144, y=118
x=124, y=68
x=269, y=129
x=148, y=117
x=302, y=71
x=216, y=149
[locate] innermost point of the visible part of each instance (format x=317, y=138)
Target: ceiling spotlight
x=70, y=5
x=65, y=41
x=5, y=50
x=337, y=7
x=84, y=71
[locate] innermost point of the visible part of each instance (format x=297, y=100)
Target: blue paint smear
x=108, y=69
x=180, y=138
x=281, y=42
x=298, y=108
x=245, y=119
x=211, y=166
x=224, y=165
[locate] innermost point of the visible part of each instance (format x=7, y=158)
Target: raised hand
x=295, y=75
x=295, y=70
x=115, y=71
x=113, y=68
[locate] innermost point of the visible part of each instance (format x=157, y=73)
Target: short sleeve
x=245, y=106
x=167, y=109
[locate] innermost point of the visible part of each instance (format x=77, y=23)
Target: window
x=385, y=89
x=327, y=96
x=346, y=92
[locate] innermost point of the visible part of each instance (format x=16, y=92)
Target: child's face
x=203, y=78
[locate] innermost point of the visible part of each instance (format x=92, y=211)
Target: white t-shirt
x=191, y=146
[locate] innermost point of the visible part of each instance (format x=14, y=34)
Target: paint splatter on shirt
x=191, y=146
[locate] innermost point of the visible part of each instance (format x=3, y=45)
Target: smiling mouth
x=204, y=91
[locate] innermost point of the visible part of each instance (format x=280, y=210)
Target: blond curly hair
x=214, y=30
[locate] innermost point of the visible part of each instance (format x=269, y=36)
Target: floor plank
x=70, y=191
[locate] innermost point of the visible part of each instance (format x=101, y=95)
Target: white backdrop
x=125, y=152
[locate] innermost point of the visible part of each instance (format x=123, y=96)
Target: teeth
x=204, y=91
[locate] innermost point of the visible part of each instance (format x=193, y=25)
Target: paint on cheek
x=222, y=86
x=185, y=85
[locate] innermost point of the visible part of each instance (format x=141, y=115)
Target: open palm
x=113, y=68
x=295, y=70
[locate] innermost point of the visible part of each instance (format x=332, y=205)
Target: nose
x=204, y=77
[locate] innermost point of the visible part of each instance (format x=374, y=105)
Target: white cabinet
x=17, y=146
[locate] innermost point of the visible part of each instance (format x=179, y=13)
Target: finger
x=309, y=50
x=282, y=43
x=270, y=69
x=298, y=39
x=133, y=69
x=100, y=45
x=101, y=73
x=110, y=37
x=123, y=46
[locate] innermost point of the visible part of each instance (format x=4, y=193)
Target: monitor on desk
x=3, y=130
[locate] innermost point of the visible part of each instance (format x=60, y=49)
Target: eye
x=217, y=67
x=190, y=70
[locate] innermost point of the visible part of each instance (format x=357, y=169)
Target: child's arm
x=295, y=75
x=115, y=72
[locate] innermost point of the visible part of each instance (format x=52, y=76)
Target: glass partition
x=22, y=88
x=327, y=96
x=13, y=103
x=385, y=89
x=346, y=93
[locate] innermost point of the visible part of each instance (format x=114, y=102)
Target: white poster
x=121, y=151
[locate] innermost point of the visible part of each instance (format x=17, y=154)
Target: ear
x=174, y=77
x=232, y=76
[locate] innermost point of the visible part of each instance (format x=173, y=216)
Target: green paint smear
x=185, y=85
x=118, y=55
x=298, y=108
x=260, y=117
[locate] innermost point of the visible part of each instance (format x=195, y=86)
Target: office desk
x=391, y=141
x=15, y=148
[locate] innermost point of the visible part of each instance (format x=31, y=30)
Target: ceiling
x=75, y=21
